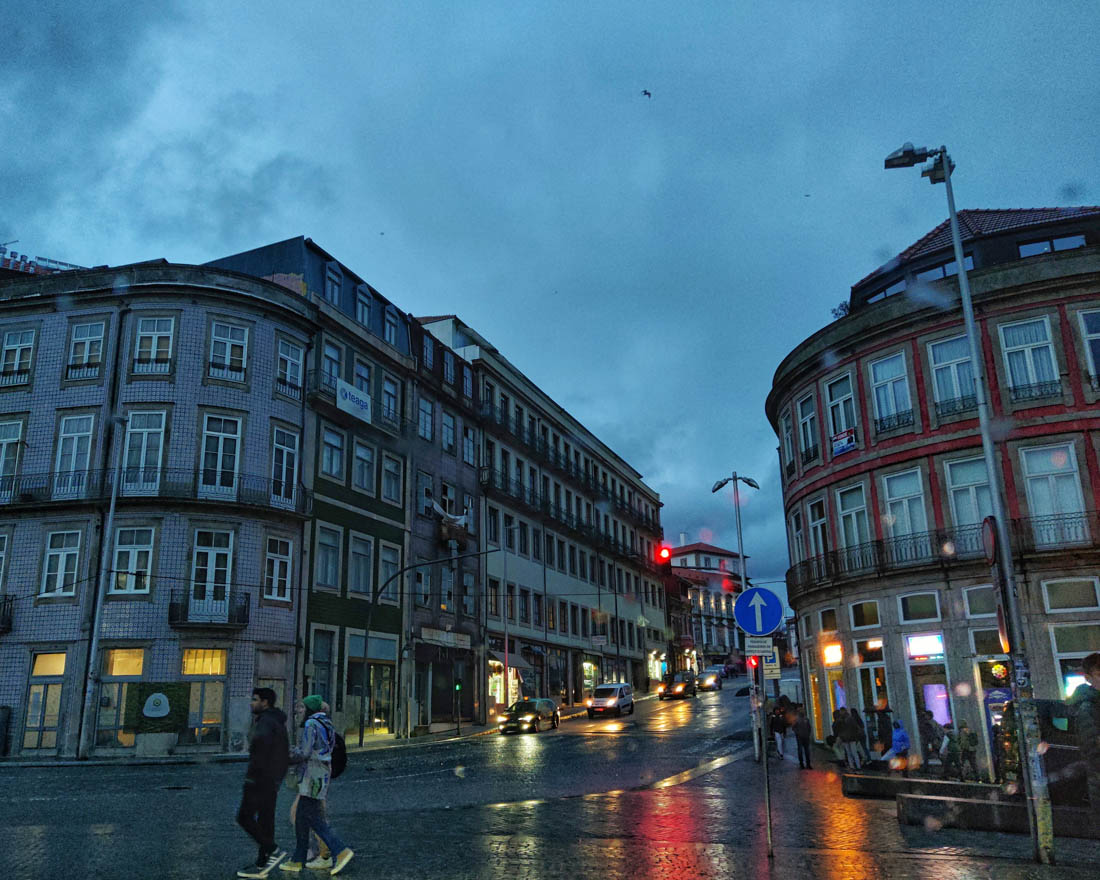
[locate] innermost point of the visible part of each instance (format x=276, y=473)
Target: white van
x=611, y=699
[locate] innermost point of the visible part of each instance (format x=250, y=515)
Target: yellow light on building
x=834, y=654
x=874, y=644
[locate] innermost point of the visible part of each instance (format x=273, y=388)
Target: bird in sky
x=647, y=93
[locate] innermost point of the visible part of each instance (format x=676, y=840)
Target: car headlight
x=528, y=718
x=679, y=688
x=710, y=680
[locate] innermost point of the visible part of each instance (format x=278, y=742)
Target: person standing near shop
x=968, y=751
x=1086, y=704
x=803, y=733
x=849, y=733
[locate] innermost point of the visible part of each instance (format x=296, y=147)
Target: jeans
x=257, y=816
x=779, y=737
x=851, y=753
x=803, y=752
x=310, y=817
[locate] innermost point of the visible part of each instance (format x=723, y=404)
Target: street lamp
x=1039, y=814
x=736, y=478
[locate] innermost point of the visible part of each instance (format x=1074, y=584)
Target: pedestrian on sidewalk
x=931, y=736
x=779, y=728
x=950, y=753
x=849, y=734
x=900, y=747
x=803, y=733
x=861, y=743
x=268, y=747
x=1086, y=705
x=318, y=854
x=968, y=751
x=313, y=757
x=885, y=731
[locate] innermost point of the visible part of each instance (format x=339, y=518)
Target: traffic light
x=664, y=561
x=753, y=661
x=458, y=684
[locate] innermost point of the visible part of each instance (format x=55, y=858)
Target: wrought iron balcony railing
x=1036, y=391
x=956, y=406
x=810, y=453
x=89, y=370
x=893, y=422
x=209, y=606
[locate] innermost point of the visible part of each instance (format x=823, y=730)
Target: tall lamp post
x=748, y=481
x=1038, y=800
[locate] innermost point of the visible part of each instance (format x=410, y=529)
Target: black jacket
x=269, y=748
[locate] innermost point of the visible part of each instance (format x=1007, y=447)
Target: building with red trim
x=885, y=488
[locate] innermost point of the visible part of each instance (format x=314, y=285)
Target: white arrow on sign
x=756, y=603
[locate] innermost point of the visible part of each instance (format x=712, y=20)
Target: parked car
x=681, y=684
x=530, y=715
x=611, y=699
x=711, y=679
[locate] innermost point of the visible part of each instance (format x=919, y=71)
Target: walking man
x=968, y=751
x=268, y=756
x=849, y=734
x=802, y=735
x=1086, y=702
x=313, y=755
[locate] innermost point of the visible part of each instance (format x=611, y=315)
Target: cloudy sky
x=647, y=260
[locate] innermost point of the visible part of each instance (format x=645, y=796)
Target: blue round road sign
x=758, y=612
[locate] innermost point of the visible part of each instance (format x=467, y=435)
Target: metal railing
x=810, y=453
x=152, y=366
x=199, y=484
x=956, y=406
x=224, y=370
x=14, y=377
x=1036, y=391
x=288, y=388
x=89, y=370
x=902, y=419
x=1057, y=531
x=210, y=605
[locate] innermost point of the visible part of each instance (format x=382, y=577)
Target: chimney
x=683, y=539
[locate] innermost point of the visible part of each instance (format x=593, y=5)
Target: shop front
x=655, y=667
x=521, y=678
x=833, y=657
x=557, y=675
x=371, y=686
x=929, y=683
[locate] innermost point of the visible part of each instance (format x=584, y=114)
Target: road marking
x=406, y=775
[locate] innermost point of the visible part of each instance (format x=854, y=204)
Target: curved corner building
x=885, y=487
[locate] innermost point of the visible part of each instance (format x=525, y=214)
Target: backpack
x=339, y=756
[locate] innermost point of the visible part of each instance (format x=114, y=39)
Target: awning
x=515, y=661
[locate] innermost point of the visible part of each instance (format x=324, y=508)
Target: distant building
x=885, y=487
x=714, y=576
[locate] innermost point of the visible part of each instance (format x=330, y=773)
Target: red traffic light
x=753, y=661
x=664, y=554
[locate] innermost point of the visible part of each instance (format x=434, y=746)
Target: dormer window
x=391, y=326
x=1048, y=245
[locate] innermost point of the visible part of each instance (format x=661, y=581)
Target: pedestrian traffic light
x=458, y=684
x=753, y=661
x=664, y=560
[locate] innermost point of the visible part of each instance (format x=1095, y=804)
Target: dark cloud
x=1074, y=191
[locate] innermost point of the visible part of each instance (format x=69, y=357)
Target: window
x=328, y=557
x=133, y=560
x=469, y=598
x=362, y=468
x=807, y=428
x=787, y=430
x=204, y=661
x=288, y=371
x=945, y=270
x=331, y=365
x=494, y=525
x=864, y=614
x=563, y=616
x=468, y=445
x=987, y=642
x=221, y=442
x=968, y=485
x=277, y=570
x=392, y=488
x=154, y=345
x=446, y=589
x=524, y=606
x=889, y=290
x=828, y=620
x=15, y=364
x=206, y=701
x=44, y=701
x=113, y=729
x=1054, y=495
x=853, y=516
x=284, y=467
x=63, y=551
x=332, y=453
x=422, y=585
x=536, y=610
x=842, y=412
x=449, y=366
x=1077, y=594
x=1029, y=359
x=1048, y=245
x=228, y=351
x=494, y=597
x=469, y=513
x=361, y=568
x=952, y=376
x=389, y=399
x=919, y=606
x=424, y=492
x=322, y=655
x=449, y=433
x=429, y=351
x=573, y=559
x=890, y=388
x=211, y=565
x=905, y=504
x=448, y=498
x=509, y=533
x=362, y=379
x=144, y=448
x=980, y=601
x=74, y=445
x=390, y=329
x=10, y=435
x=819, y=532
x=1071, y=645
x=1090, y=330
x=332, y=285
x=85, y=351
x=549, y=550
x=467, y=382
x=362, y=307
x=424, y=420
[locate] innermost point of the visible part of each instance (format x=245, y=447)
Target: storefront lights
x=924, y=646
x=834, y=654
x=874, y=644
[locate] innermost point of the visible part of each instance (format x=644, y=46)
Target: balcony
x=7, y=612
x=323, y=385
x=287, y=388
x=226, y=371
x=152, y=366
x=209, y=606
x=89, y=370
x=14, y=377
x=810, y=453
x=1036, y=391
x=956, y=406
x=894, y=422
x=1056, y=532
x=54, y=486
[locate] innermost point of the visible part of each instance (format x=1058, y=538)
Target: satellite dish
x=156, y=706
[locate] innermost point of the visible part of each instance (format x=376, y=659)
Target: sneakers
x=342, y=860
x=320, y=862
x=261, y=871
x=291, y=867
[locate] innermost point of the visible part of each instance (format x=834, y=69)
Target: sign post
x=759, y=613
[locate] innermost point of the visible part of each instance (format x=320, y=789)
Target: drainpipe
x=306, y=535
x=92, y=665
